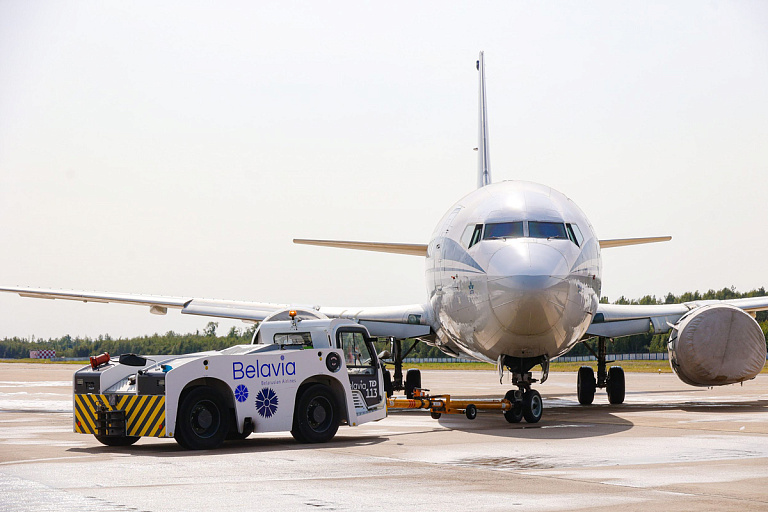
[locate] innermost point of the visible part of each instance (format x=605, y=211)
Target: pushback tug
x=304, y=374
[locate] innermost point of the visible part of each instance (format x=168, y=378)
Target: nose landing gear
x=526, y=402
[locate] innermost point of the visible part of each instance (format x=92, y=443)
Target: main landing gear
x=526, y=402
x=394, y=383
x=612, y=379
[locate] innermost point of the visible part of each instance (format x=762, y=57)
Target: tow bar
x=442, y=404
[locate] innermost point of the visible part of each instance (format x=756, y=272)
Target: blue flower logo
x=241, y=393
x=266, y=403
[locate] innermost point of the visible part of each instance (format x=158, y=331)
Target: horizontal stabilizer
x=412, y=249
x=621, y=242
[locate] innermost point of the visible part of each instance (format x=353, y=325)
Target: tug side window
x=356, y=353
x=294, y=338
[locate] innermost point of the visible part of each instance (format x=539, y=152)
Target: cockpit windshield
x=547, y=230
x=503, y=230
x=473, y=233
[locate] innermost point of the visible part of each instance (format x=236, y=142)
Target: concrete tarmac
x=669, y=447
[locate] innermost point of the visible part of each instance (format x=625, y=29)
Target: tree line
x=168, y=343
x=176, y=343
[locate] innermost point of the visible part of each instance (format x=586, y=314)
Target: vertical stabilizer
x=483, y=163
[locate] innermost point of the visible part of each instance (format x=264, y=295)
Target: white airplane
x=513, y=274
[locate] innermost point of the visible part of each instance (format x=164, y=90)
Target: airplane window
x=503, y=230
x=466, y=237
x=476, y=234
x=547, y=230
x=571, y=234
x=577, y=233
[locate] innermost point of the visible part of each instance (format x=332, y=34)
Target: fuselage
x=514, y=269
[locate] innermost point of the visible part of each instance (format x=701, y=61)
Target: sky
x=177, y=148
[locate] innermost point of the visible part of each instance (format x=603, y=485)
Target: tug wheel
x=316, y=416
x=388, y=387
x=117, y=440
x=203, y=420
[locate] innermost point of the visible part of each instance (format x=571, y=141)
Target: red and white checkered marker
x=42, y=354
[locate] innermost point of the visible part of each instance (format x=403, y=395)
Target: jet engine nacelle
x=716, y=345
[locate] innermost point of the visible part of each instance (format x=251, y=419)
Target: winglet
x=483, y=163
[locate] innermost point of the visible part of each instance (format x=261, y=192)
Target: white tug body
x=305, y=376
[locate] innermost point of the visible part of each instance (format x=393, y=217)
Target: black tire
x=316, y=416
x=388, y=388
x=471, y=412
x=117, y=440
x=203, y=419
x=615, y=385
x=533, y=406
x=297, y=436
x=515, y=414
x=586, y=385
x=435, y=415
x=412, y=381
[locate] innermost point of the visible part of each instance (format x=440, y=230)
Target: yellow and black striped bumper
x=144, y=415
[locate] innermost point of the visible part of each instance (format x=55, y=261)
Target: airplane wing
x=411, y=249
x=616, y=320
x=397, y=321
x=622, y=242
x=421, y=249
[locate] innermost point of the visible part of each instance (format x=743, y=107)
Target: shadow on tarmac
x=560, y=422
x=578, y=421
x=260, y=444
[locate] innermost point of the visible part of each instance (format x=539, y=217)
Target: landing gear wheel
x=316, y=418
x=388, y=387
x=471, y=411
x=412, y=381
x=585, y=385
x=515, y=414
x=615, y=385
x=203, y=420
x=533, y=407
x=116, y=440
x=435, y=415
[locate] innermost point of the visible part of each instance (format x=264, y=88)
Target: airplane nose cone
x=528, y=287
